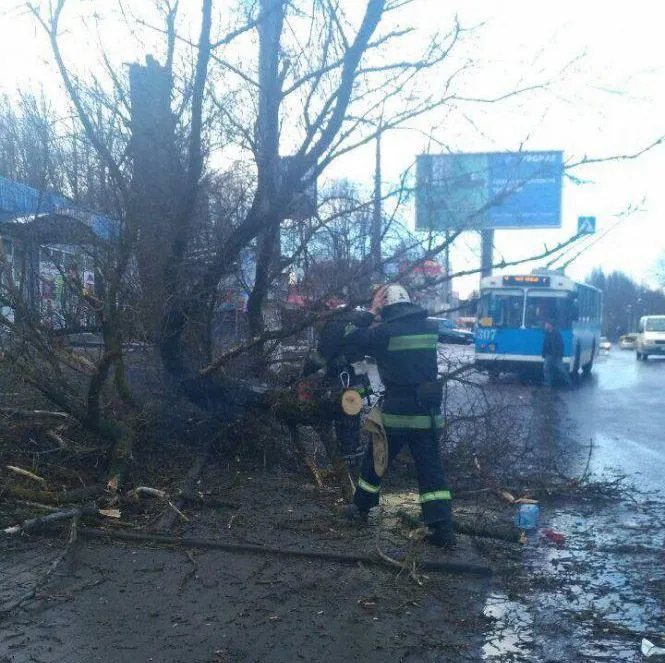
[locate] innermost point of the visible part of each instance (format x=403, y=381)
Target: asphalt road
x=621, y=408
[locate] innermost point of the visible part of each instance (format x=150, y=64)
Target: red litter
x=554, y=537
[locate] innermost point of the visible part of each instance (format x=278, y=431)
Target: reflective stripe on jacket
x=405, y=348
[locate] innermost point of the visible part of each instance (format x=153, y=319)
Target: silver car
x=627, y=341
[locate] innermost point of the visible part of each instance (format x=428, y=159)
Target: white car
x=650, y=336
x=605, y=345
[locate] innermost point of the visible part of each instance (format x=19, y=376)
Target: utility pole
x=446, y=266
x=377, y=212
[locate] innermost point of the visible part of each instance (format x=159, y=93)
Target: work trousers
x=555, y=370
x=435, y=497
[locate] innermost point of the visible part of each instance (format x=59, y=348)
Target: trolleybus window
x=554, y=306
x=502, y=307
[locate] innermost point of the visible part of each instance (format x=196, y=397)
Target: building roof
x=23, y=204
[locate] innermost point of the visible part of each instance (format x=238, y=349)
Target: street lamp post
x=377, y=212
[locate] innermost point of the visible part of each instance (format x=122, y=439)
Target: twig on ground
x=26, y=473
x=167, y=518
x=135, y=493
x=17, y=414
x=50, y=497
x=177, y=510
x=231, y=519
x=406, y=565
x=34, y=523
x=190, y=574
x=58, y=439
x=37, y=505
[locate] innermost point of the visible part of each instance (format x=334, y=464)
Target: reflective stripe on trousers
x=435, y=495
x=366, y=485
x=411, y=421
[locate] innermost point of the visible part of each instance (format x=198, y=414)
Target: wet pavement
x=594, y=597
x=622, y=409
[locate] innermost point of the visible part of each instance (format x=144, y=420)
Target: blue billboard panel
x=489, y=190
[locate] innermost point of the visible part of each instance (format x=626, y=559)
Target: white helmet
x=395, y=294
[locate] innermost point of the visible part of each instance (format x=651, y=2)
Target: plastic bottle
x=526, y=516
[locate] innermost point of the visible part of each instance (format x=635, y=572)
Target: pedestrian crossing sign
x=586, y=225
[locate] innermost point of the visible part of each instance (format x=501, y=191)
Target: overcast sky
x=609, y=100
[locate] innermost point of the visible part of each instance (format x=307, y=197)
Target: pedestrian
x=553, y=366
x=404, y=344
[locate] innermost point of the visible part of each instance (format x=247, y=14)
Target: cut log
x=470, y=528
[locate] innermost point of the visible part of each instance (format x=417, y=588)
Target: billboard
x=498, y=190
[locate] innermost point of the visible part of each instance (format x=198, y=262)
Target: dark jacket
x=331, y=337
x=332, y=357
x=552, y=344
x=404, y=345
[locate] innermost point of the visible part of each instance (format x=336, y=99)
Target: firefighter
x=326, y=373
x=404, y=344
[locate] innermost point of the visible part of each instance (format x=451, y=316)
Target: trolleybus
x=512, y=312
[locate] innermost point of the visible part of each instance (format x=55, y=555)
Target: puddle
x=593, y=598
x=512, y=632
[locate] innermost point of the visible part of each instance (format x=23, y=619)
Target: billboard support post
x=486, y=251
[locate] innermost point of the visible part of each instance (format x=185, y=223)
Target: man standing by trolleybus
x=553, y=366
x=404, y=344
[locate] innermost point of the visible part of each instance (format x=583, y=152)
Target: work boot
x=441, y=536
x=355, y=516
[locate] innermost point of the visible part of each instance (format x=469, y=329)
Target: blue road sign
x=489, y=190
x=586, y=225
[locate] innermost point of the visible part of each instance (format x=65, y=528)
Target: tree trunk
x=270, y=96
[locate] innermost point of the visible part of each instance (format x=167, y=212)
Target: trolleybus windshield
x=555, y=306
x=502, y=308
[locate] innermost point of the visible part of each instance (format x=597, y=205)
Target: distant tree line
x=624, y=301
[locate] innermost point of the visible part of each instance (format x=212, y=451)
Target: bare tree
x=309, y=80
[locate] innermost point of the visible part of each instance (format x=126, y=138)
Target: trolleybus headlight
x=492, y=347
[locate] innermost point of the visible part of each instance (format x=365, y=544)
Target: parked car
x=627, y=341
x=448, y=333
x=604, y=345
